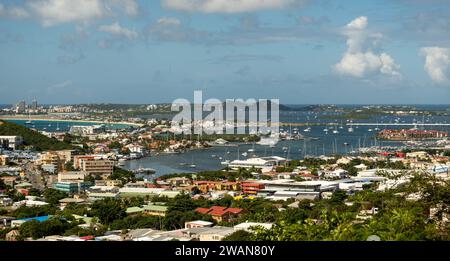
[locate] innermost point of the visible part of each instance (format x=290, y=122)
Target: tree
x=53, y=196
x=108, y=210
x=2, y=184
x=240, y=235
x=69, y=166
x=338, y=196
x=182, y=203
x=27, y=212
x=34, y=192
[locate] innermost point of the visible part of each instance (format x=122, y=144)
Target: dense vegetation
x=332, y=219
x=33, y=138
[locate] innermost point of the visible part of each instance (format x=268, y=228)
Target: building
x=94, y=166
x=221, y=214
x=150, y=209
x=215, y=233
x=9, y=180
x=10, y=142
x=248, y=225
x=52, y=157
x=34, y=105
x=3, y=160
x=19, y=222
x=71, y=187
x=251, y=188
x=21, y=107
x=411, y=134
x=155, y=210
x=72, y=176
x=198, y=223
x=86, y=130
x=265, y=164
x=50, y=168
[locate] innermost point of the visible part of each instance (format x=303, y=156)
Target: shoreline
x=66, y=120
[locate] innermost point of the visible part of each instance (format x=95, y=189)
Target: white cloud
x=168, y=21
x=437, y=61
x=15, y=12
x=117, y=30
x=18, y=12
x=52, y=12
x=229, y=6
x=359, y=23
x=360, y=60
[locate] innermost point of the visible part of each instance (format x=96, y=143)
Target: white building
x=266, y=164
x=11, y=142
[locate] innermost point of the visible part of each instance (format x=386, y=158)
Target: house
x=155, y=210
x=66, y=201
x=9, y=180
x=251, y=188
x=206, y=186
x=221, y=214
x=308, y=176
x=150, y=209
x=19, y=222
x=179, y=181
x=216, y=233
x=248, y=225
x=12, y=235
x=198, y=223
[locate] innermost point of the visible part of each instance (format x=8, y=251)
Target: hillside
x=32, y=138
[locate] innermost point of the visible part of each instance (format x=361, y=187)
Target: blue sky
x=300, y=51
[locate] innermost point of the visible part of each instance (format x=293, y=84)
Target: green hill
x=32, y=138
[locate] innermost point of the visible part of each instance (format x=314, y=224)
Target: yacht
x=226, y=162
x=350, y=129
x=307, y=129
x=244, y=154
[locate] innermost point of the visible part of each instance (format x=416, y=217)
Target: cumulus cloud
x=169, y=21
x=361, y=59
x=15, y=12
x=229, y=6
x=52, y=12
x=117, y=30
x=172, y=29
x=437, y=61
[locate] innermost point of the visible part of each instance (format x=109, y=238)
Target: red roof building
x=221, y=214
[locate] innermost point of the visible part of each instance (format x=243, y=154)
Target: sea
x=323, y=143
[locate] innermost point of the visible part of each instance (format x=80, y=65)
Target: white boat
x=350, y=129
x=369, y=130
x=268, y=141
x=226, y=162
x=307, y=129
x=244, y=154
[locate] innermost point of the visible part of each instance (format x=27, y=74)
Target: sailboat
x=252, y=149
x=335, y=131
x=57, y=126
x=29, y=120
x=192, y=163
